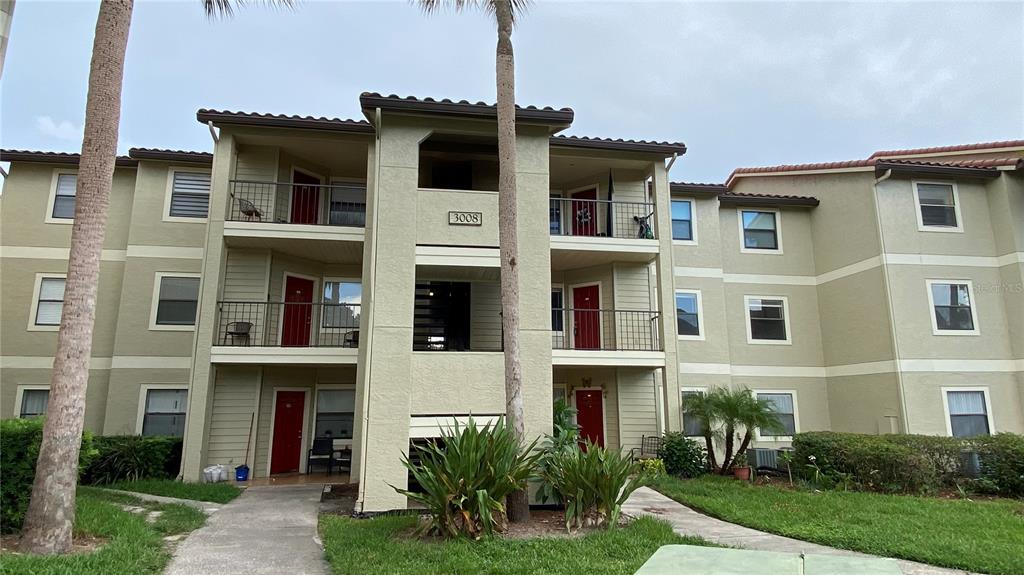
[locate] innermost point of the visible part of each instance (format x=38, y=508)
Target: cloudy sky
x=743, y=84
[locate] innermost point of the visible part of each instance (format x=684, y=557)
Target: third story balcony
x=589, y=231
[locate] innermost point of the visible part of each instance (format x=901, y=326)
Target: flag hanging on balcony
x=608, y=212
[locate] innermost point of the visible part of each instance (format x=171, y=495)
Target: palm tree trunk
x=517, y=504
x=51, y=511
x=709, y=445
x=730, y=435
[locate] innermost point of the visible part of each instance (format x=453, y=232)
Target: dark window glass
x=34, y=402
x=557, y=310
x=335, y=413
x=555, y=216
x=348, y=206
x=682, y=220
x=938, y=206
x=64, y=199
x=760, y=231
x=687, y=320
x=767, y=319
x=952, y=307
x=692, y=427
x=179, y=297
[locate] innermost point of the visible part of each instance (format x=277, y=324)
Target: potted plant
x=740, y=469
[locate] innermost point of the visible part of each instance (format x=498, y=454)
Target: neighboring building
x=320, y=277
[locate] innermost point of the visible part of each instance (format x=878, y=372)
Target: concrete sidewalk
x=685, y=521
x=265, y=530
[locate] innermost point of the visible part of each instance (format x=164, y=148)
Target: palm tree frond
x=225, y=8
x=519, y=7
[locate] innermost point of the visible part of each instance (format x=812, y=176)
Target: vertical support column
x=533, y=201
x=384, y=384
x=661, y=196
x=202, y=374
x=366, y=315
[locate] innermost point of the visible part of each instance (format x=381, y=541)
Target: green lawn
x=134, y=547
x=212, y=492
x=383, y=545
x=982, y=536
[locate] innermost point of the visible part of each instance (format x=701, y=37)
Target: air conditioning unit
x=764, y=458
x=970, y=463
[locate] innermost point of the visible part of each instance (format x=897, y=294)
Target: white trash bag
x=215, y=473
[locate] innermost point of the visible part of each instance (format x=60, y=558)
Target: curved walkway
x=686, y=521
x=265, y=530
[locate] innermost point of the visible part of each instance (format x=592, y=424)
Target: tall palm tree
x=51, y=510
x=505, y=13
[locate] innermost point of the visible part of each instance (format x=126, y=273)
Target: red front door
x=305, y=198
x=586, y=324
x=584, y=213
x=298, y=312
x=285, y=455
x=590, y=415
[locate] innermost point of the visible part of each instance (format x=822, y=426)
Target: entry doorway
x=297, y=317
x=287, y=440
x=305, y=207
x=584, y=213
x=590, y=414
x=586, y=324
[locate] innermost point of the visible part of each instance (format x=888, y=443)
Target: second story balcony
x=300, y=203
x=591, y=336
x=286, y=332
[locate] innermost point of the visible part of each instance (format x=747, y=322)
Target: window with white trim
x=50, y=302
x=692, y=426
x=33, y=402
x=784, y=410
x=335, y=413
x=760, y=229
x=968, y=413
x=682, y=220
x=688, y=313
x=951, y=307
x=64, y=197
x=937, y=205
x=165, y=412
x=341, y=304
x=177, y=301
x=190, y=194
x=766, y=319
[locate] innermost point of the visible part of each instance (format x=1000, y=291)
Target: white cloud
x=63, y=130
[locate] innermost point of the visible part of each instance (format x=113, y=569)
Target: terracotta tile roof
x=804, y=167
x=977, y=163
x=960, y=148
x=666, y=148
x=54, y=157
x=205, y=115
x=696, y=187
x=171, y=155
x=735, y=198
x=546, y=114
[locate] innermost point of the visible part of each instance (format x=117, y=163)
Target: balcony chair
x=248, y=209
x=351, y=339
x=323, y=452
x=650, y=445
x=238, y=330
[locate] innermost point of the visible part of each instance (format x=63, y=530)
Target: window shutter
x=190, y=195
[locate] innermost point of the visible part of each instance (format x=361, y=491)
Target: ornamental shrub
x=19, y=450
x=870, y=462
x=133, y=457
x=683, y=457
x=653, y=467
x=1001, y=457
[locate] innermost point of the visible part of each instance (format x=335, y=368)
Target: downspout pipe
x=887, y=282
x=671, y=162
x=213, y=132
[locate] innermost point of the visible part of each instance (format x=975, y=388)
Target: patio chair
x=248, y=209
x=238, y=330
x=351, y=339
x=322, y=452
x=650, y=445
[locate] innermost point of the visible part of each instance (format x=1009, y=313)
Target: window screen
x=968, y=414
x=51, y=301
x=179, y=297
x=64, y=199
x=190, y=195
x=165, y=412
x=760, y=230
x=782, y=405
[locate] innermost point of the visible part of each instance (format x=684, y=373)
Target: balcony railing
x=288, y=324
x=601, y=218
x=605, y=330
x=288, y=203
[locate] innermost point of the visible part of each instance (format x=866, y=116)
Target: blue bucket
x=242, y=473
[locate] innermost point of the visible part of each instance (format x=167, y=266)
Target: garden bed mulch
x=79, y=544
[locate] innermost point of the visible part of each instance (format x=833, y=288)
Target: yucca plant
x=465, y=477
x=594, y=482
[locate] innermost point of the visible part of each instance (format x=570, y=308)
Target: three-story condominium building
x=322, y=284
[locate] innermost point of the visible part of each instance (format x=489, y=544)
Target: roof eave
x=641, y=147
x=562, y=118
x=204, y=158
x=686, y=188
x=205, y=116
x=957, y=171
x=57, y=158
x=737, y=200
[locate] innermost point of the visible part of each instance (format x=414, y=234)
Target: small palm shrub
x=466, y=476
x=133, y=457
x=594, y=482
x=724, y=414
x=683, y=457
x=653, y=467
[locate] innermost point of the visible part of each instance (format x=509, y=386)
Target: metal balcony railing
x=288, y=203
x=601, y=218
x=605, y=330
x=287, y=324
